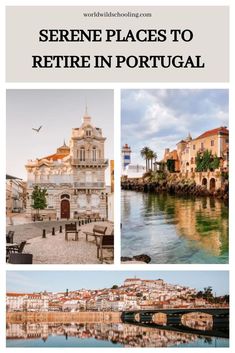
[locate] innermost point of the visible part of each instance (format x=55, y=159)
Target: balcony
x=86, y=185
x=42, y=184
x=48, y=185
x=90, y=163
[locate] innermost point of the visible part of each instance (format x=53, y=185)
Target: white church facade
x=74, y=176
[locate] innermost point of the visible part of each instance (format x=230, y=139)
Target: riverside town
x=175, y=204
x=139, y=312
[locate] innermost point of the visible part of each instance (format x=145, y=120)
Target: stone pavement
x=34, y=229
x=55, y=249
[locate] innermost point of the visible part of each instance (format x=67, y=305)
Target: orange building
x=172, y=156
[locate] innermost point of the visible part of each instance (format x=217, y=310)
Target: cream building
x=215, y=141
x=74, y=176
x=15, y=194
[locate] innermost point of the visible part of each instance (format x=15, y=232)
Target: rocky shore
x=176, y=187
x=137, y=259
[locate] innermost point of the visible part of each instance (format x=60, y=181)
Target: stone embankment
x=64, y=317
x=176, y=187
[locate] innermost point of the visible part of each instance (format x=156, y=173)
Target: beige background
x=209, y=24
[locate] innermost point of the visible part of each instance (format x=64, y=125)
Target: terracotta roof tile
x=55, y=156
x=213, y=132
x=15, y=294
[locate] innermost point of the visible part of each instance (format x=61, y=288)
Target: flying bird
x=37, y=130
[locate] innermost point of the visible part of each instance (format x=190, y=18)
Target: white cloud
x=160, y=118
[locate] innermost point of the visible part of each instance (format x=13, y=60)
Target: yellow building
x=216, y=141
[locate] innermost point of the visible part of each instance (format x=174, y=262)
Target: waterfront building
x=36, y=302
x=134, y=171
x=15, y=301
x=26, y=302
x=15, y=194
x=215, y=141
x=74, y=176
x=173, y=158
x=183, y=154
x=71, y=305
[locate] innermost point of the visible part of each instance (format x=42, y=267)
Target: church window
x=88, y=133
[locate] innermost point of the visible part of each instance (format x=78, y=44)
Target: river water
x=102, y=335
x=173, y=229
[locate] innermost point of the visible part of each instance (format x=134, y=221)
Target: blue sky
x=29, y=281
x=58, y=110
x=159, y=118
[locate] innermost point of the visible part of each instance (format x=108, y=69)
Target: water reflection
x=119, y=334
x=174, y=229
x=198, y=321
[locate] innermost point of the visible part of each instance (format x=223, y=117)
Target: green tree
x=226, y=298
x=206, y=161
x=145, y=154
x=199, y=294
x=215, y=163
x=39, y=199
x=115, y=286
x=208, y=293
x=149, y=156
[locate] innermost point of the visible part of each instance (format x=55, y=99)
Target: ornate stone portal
x=74, y=176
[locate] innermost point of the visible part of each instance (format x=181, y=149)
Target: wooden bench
x=97, y=231
x=105, y=242
x=71, y=228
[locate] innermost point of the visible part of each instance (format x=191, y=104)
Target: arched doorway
x=65, y=209
x=212, y=184
x=204, y=182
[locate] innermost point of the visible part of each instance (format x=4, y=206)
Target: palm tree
x=155, y=157
x=144, y=154
x=151, y=156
